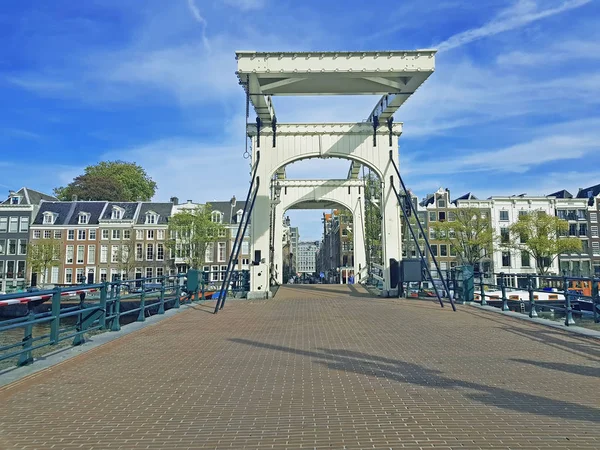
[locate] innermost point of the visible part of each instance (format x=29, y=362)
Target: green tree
x=192, y=232
x=373, y=218
x=112, y=181
x=43, y=254
x=538, y=234
x=470, y=235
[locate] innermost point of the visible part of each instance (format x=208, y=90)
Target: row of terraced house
x=581, y=211
x=102, y=240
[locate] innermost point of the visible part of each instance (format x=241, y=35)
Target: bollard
x=27, y=356
x=116, y=324
x=161, y=308
x=504, y=298
x=142, y=313
x=55, y=324
x=568, y=309
x=596, y=300
x=482, y=287
x=532, y=311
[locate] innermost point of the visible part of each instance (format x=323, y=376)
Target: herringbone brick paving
x=317, y=367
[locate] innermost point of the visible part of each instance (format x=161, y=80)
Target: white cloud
x=557, y=53
x=199, y=18
x=521, y=13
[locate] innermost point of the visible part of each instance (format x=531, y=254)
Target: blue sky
x=513, y=107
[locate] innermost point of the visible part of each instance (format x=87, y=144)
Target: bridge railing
x=74, y=311
x=548, y=296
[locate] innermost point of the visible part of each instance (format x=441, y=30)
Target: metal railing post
x=596, y=300
x=503, y=288
x=142, y=314
x=116, y=324
x=103, y=298
x=27, y=356
x=177, y=291
x=161, y=308
x=55, y=324
x=482, y=287
x=568, y=309
x=532, y=311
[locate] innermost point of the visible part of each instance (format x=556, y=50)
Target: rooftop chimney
x=189, y=201
x=175, y=200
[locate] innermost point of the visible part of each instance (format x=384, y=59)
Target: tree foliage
x=373, y=217
x=193, y=231
x=538, y=234
x=43, y=254
x=126, y=256
x=111, y=181
x=470, y=235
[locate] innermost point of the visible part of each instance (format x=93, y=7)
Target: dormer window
x=84, y=218
x=49, y=218
x=239, y=215
x=117, y=213
x=15, y=200
x=151, y=218
x=216, y=217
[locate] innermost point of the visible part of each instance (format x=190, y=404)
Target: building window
x=149, y=235
x=139, y=252
x=104, y=254
x=68, y=276
x=80, y=276
x=116, y=234
x=3, y=224
x=48, y=218
x=434, y=249
x=57, y=234
x=216, y=217
x=525, y=259
x=245, y=261
x=159, y=272
x=69, y=254
x=84, y=218
x=54, y=276
x=222, y=273
x=214, y=274
x=91, y=258
x=160, y=235
x=221, y=255
x=432, y=216
x=504, y=216
x=24, y=227
x=431, y=233
x=117, y=213
x=70, y=235
x=47, y=234
x=2, y=246
x=210, y=249
x=149, y=272
x=245, y=248
x=105, y=234
x=37, y=234
x=505, y=259
x=139, y=234
x=13, y=225
x=92, y=235
x=596, y=248
x=80, y=253
x=81, y=235
x=12, y=247
x=441, y=203
x=103, y=276
x=149, y=252
x=114, y=254
x=151, y=218
x=160, y=252
x=504, y=235
x=442, y=216
x=126, y=234
x=22, y=246
x=443, y=250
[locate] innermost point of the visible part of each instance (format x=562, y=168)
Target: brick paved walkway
x=321, y=368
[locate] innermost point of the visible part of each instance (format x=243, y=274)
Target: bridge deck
x=317, y=367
